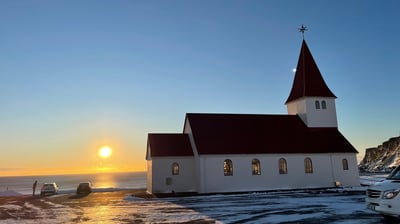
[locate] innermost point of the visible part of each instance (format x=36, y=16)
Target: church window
x=175, y=169
x=308, y=165
x=323, y=104
x=317, y=106
x=256, y=167
x=228, y=167
x=282, y=166
x=345, y=164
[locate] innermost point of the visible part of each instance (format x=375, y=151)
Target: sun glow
x=105, y=152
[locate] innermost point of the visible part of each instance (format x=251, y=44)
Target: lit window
x=255, y=166
x=308, y=165
x=228, y=168
x=282, y=166
x=175, y=169
x=323, y=104
x=345, y=164
x=317, y=106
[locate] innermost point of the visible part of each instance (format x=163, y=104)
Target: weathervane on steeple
x=302, y=29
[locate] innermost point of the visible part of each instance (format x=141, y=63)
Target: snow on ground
x=338, y=205
x=272, y=207
x=11, y=207
x=277, y=207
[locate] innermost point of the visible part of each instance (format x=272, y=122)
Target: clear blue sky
x=76, y=75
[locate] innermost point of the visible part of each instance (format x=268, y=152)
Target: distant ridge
x=382, y=158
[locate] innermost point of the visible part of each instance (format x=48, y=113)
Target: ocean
x=68, y=183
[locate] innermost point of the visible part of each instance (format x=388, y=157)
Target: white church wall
x=321, y=117
x=299, y=108
x=296, y=176
x=149, y=176
x=348, y=177
x=213, y=178
x=313, y=117
x=164, y=182
x=187, y=129
x=296, y=107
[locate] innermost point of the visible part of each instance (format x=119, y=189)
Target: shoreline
x=13, y=194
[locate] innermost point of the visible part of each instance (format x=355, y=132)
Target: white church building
x=258, y=152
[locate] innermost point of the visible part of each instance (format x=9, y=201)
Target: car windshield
x=395, y=174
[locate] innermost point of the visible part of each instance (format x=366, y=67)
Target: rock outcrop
x=382, y=158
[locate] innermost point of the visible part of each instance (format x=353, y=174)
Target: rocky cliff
x=382, y=158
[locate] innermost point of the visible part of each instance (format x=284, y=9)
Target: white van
x=384, y=197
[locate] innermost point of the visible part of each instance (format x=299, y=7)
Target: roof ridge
x=236, y=114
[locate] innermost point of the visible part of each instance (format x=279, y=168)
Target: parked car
x=49, y=188
x=384, y=197
x=84, y=188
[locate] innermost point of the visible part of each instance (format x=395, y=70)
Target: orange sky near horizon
x=67, y=171
x=63, y=172
x=78, y=161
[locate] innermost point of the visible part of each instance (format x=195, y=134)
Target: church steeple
x=308, y=81
x=310, y=98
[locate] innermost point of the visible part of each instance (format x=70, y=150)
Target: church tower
x=310, y=97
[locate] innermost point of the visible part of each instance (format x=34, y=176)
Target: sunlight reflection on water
x=105, y=181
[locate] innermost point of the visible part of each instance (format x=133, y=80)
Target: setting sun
x=105, y=152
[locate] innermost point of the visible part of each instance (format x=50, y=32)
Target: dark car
x=84, y=188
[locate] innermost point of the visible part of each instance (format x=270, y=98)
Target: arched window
x=256, y=167
x=228, y=167
x=345, y=164
x=308, y=165
x=323, y=104
x=175, y=169
x=317, y=106
x=282, y=166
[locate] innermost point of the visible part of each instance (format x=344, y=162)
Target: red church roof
x=169, y=145
x=262, y=134
x=308, y=80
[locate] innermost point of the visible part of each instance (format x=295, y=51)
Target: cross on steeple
x=302, y=29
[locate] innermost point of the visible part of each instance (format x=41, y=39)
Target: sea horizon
x=63, y=174
x=69, y=182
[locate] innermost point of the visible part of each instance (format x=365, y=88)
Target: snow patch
x=30, y=206
x=11, y=207
x=133, y=198
x=54, y=205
